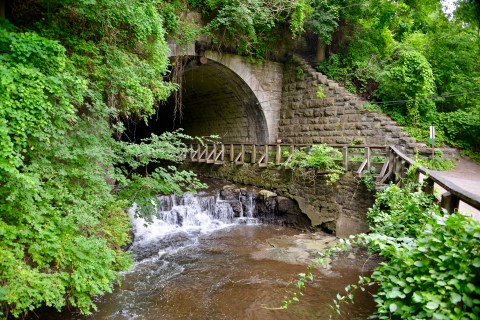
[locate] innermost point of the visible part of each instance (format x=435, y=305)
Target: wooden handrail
x=394, y=166
x=455, y=192
x=263, y=155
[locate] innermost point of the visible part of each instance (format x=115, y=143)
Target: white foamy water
x=181, y=220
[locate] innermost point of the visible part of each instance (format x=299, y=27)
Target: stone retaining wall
x=339, y=118
x=339, y=208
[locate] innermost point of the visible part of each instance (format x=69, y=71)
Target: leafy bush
x=432, y=261
x=252, y=26
x=436, y=275
x=368, y=179
x=320, y=157
x=410, y=78
x=400, y=212
x=439, y=163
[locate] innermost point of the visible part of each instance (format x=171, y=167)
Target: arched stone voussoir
x=265, y=81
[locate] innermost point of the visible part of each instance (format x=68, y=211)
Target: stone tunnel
x=257, y=103
x=226, y=96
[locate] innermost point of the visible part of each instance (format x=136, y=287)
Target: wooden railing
x=390, y=163
x=452, y=196
x=355, y=158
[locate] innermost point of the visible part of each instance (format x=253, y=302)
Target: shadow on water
x=204, y=269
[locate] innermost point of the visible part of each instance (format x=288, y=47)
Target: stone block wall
x=263, y=79
x=339, y=118
x=340, y=208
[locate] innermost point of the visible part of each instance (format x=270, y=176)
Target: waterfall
x=250, y=206
x=189, y=215
x=247, y=215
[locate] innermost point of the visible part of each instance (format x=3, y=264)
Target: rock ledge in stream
x=265, y=205
x=300, y=249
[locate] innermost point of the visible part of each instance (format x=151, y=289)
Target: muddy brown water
x=200, y=260
x=214, y=276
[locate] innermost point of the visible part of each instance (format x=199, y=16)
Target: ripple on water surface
x=215, y=276
x=197, y=261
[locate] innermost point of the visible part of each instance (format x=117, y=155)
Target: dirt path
x=466, y=175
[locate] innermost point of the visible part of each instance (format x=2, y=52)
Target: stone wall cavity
x=340, y=208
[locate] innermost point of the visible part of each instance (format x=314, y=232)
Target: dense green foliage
x=319, y=157
x=430, y=259
x=70, y=70
x=253, y=27
x=431, y=268
x=419, y=65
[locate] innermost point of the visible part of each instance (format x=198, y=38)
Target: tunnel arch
x=216, y=100
x=228, y=95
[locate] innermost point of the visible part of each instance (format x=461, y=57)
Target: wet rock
x=229, y=192
x=267, y=194
x=286, y=205
x=236, y=207
x=300, y=249
x=292, y=214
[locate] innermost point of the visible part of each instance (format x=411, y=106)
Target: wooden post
x=450, y=202
x=403, y=172
x=266, y=154
x=254, y=154
x=242, y=151
x=199, y=151
x=428, y=185
x=391, y=159
x=232, y=153
x=385, y=166
x=278, y=155
x=398, y=168
x=368, y=154
x=345, y=157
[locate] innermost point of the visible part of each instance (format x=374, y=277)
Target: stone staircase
x=353, y=106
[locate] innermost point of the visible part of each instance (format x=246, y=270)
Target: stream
x=199, y=260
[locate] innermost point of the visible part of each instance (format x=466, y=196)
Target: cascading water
x=250, y=206
x=246, y=216
x=180, y=220
x=195, y=261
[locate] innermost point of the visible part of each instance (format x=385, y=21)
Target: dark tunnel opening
x=216, y=101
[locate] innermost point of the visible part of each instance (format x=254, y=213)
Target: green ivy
x=252, y=27
x=70, y=70
x=409, y=78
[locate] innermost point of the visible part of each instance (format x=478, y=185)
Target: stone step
x=390, y=128
x=406, y=140
x=416, y=146
x=388, y=123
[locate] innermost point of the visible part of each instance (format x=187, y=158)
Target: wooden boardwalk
x=390, y=163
